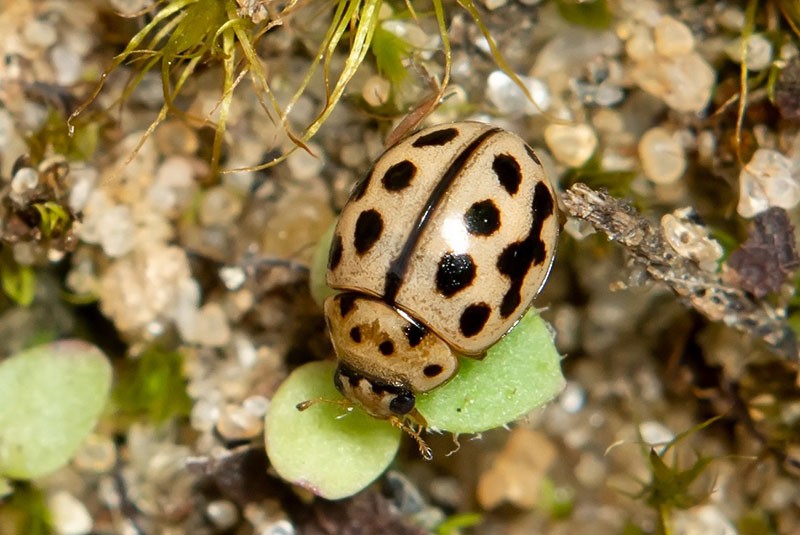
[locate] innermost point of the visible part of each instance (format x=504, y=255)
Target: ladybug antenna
x=424, y=449
x=343, y=403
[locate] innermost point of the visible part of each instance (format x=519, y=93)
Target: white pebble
x=759, y=51
x=691, y=240
x=40, y=33
x=684, y=83
x=26, y=179
x=211, y=326
x=640, y=45
x=662, y=156
x=493, y=4
x=223, y=514
x=508, y=98
x=655, y=433
x=173, y=186
x=767, y=180
x=376, y=90
x=68, y=65
x=117, y=231
x=571, y=145
x=70, y=516
x=672, y=37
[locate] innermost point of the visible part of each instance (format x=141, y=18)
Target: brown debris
x=768, y=257
x=704, y=291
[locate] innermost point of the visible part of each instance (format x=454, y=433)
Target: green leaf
x=593, y=14
x=390, y=50
x=325, y=449
x=25, y=512
x=51, y=397
x=18, y=281
x=519, y=373
x=319, y=266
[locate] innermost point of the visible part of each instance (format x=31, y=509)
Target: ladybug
x=437, y=254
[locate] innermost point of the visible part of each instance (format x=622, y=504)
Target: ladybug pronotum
x=438, y=253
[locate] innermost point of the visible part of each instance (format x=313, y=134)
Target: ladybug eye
x=402, y=403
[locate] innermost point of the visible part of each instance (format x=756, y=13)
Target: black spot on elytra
x=399, y=176
x=508, y=172
x=482, y=218
x=346, y=303
x=355, y=335
x=391, y=286
x=474, y=318
x=414, y=333
x=369, y=227
x=386, y=348
x=335, y=254
x=517, y=258
x=532, y=154
x=437, y=138
x=432, y=370
x=455, y=272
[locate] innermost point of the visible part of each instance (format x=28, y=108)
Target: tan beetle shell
x=453, y=230
x=404, y=236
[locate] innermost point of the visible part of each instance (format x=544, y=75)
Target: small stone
x=571, y=145
x=223, y=514
x=237, y=423
x=767, y=180
x=68, y=65
x=69, y=515
x=758, y=54
x=233, y=277
x=640, y=45
x=572, y=398
x=731, y=18
x=493, y=4
x=173, y=187
x=130, y=7
x=516, y=475
x=672, y=37
x=220, y=207
x=97, y=454
x=662, y=156
x=376, y=91
x=655, y=433
x=24, y=181
x=508, y=98
x=690, y=239
x=117, y=231
x=702, y=519
x=305, y=165
x=40, y=33
x=684, y=83
x=208, y=327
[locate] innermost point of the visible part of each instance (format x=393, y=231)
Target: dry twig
x=704, y=291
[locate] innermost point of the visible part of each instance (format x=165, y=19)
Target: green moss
x=152, y=387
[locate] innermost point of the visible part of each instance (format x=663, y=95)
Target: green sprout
x=26, y=512
x=675, y=487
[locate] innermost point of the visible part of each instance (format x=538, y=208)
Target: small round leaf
x=325, y=449
x=51, y=397
x=520, y=373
